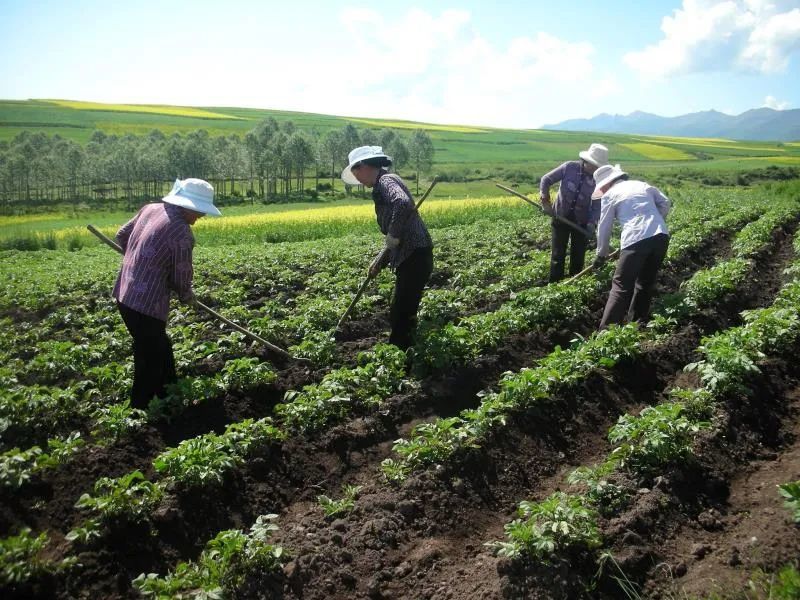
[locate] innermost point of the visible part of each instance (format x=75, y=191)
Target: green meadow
x=472, y=150
x=468, y=159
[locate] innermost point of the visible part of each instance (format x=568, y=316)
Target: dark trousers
x=153, y=361
x=563, y=235
x=634, y=279
x=412, y=275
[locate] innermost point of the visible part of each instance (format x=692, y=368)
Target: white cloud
x=712, y=35
x=422, y=66
x=440, y=68
x=772, y=102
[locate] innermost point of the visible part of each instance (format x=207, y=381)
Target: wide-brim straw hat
x=358, y=155
x=597, y=154
x=605, y=175
x=194, y=194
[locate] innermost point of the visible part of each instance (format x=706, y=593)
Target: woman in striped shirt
x=407, y=239
x=158, y=245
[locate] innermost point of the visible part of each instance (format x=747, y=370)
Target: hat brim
x=604, y=182
x=588, y=158
x=348, y=177
x=347, y=174
x=201, y=207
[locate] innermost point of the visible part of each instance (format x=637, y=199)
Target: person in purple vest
x=158, y=245
x=574, y=202
x=407, y=239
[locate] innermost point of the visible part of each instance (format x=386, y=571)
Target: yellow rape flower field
x=656, y=152
x=173, y=111
x=288, y=225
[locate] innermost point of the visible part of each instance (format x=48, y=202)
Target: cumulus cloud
x=420, y=65
x=773, y=102
x=438, y=67
x=712, y=35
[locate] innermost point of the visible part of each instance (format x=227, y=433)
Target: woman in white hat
x=158, y=245
x=641, y=210
x=410, y=246
x=574, y=202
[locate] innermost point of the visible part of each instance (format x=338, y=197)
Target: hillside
x=467, y=152
x=763, y=124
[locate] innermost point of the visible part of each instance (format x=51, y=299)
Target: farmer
x=641, y=210
x=158, y=246
x=410, y=247
x=574, y=203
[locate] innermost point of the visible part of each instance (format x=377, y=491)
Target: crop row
x=602, y=349
x=315, y=407
x=660, y=437
x=537, y=306
x=561, y=368
x=550, y=305
x=430, y=443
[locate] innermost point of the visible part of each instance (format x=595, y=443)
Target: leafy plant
x=18, y=466
x=379, y=374
x=608, y=497
x=247, y=373
x=791, y=492
x=345, y=505
x=557, y=525
x=130, y=498
x=318, y=346
x=198, y=462
x=430, y=443
x=114, y=421
x=222, y=566
x=658, y=436
x=21, y=560
x=783, y=585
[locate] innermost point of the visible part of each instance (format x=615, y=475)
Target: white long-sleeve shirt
x=639, y=207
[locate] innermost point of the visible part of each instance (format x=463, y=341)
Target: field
x=523, y=455
x=480, y=150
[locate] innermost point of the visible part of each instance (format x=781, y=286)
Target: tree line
x=272, y=162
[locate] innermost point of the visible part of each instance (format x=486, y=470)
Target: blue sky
x=517, y=64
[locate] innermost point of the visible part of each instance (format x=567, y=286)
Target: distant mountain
x=757, y=124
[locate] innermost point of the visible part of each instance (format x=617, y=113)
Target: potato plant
x=21, y=559
x=558, y=525
x=222, y=566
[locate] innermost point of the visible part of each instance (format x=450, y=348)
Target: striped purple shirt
x=158, y=246
x=397, y=216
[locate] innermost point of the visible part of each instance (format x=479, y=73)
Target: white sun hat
x=194, y=194
x=358, y=155
x=605, y=175
x=597, y=154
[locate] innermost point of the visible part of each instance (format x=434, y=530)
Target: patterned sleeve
x=182, y=270
x=550, y=178
x=402, y=207
x=124, y=232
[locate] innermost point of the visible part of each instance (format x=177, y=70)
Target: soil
x=425, y=539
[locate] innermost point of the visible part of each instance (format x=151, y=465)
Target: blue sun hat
x=194, y=194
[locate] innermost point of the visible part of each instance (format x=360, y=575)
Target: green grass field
x=480, y=150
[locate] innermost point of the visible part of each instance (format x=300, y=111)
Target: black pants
x=562, y=235
x=153, y=361
x=634, y=279
x=412, y=275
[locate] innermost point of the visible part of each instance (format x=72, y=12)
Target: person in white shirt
x=641, y=210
